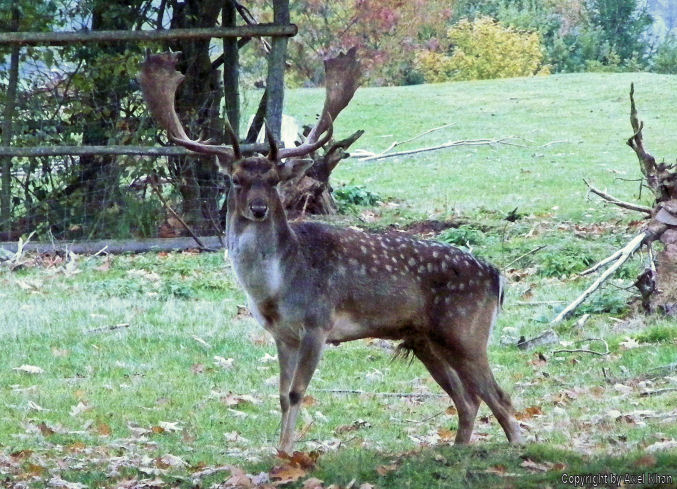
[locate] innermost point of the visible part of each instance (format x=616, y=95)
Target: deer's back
x=391, y=284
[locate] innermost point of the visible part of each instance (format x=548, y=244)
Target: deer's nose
x=259, y=208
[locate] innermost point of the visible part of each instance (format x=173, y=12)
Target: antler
x=159, y=80
x=311, y=143
x=342, y=77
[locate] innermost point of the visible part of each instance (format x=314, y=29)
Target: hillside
x=569, y=127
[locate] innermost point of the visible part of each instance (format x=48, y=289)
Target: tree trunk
x=197, y=104
x=100, y=174
x=8, y=115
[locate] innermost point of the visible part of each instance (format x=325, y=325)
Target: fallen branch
x=109, y=328
x=600, y=264
x=547, y=337
x=178, y=218
x=210, y=471
x=585, y=350
x=400, y=143
x=382, y=394
x=618, y=202
x=114, y=246
x=626, y=252
x=536, y=303
x=530, y=252
x=658, y=392
x=451, y=144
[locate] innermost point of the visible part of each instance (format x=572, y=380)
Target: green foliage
x=351, y=195
x=622, y=24
x=484, y=49
x=658, y=334
x=566, y=259
x=605, y=302
x=462, y=236
x=665, y=59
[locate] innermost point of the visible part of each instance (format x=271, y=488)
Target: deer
x=310, y=284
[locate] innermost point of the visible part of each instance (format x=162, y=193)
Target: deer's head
x=255, y=181
x=254, y=178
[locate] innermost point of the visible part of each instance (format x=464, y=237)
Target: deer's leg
x=466, y=403
x=475, y=373
x=286, y=355
x=308, y=356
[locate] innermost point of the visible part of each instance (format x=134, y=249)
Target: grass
x=150, y=370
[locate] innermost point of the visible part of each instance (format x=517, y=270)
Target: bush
x=351, y=195
x=567, y=259
x=484, y=49
x=665, y=59
x=462, y=236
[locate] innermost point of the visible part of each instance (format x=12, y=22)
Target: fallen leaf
x=446, y=434
x=35, y=407
x=234, y=400
x=645, y=461
x=534, y=466
x=77, y=446
x=662, y=445
x=629, y=343
x=21, y=454
x=79, y=408
x=58, y=482
x=268, y=358
x=384, y=469
x=313, y=483
x=451, y=411
x=308, y=401
x=528, y=413
x=287, y=473
x=497, y=469
x=103, y=429
x=35, y=469
x=170, y=460
x=29, y=369
x=201, y=341
x=225, y=363
x=355, y=425
x=170, y=425
x=45, y=429
x=238, y=479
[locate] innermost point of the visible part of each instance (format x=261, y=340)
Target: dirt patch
x=429, y=226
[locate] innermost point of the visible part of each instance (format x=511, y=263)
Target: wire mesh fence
x=91, y=98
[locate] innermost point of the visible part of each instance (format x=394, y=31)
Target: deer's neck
x=262, y=253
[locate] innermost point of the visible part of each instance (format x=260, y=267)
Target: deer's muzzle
x=258, y=208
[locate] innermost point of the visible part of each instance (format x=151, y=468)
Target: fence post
x=275, y=80
x=8, y=115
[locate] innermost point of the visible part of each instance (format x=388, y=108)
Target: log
x=116, y=246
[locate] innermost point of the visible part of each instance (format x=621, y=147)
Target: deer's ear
x=293, y=169
x=225, y=165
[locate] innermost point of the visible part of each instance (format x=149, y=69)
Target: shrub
x=484, y=49
x=462, y=236
x=665, y=59
x=351, y=195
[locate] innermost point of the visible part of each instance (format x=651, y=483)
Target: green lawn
x=150, y=373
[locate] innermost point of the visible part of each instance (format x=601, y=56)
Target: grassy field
x=144, y=371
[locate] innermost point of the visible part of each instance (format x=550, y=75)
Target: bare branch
x=626, y=252
x=451, y=144
x=585, y=350
x=178, y=217
x=618, y=202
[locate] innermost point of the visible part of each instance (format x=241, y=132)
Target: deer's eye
x=236, y=182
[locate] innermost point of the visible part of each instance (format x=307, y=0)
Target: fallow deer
x=310, y=284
